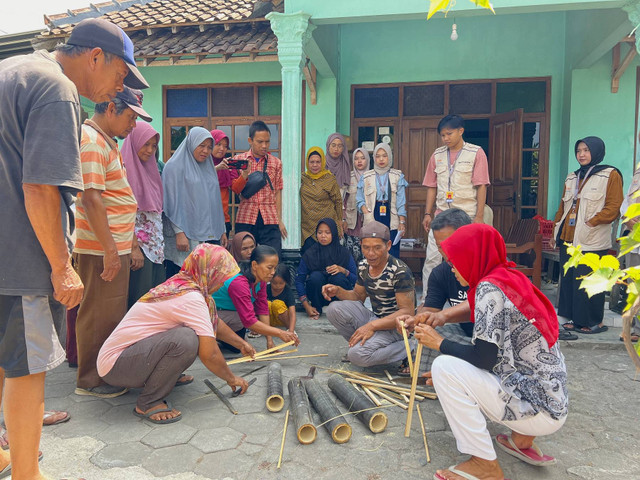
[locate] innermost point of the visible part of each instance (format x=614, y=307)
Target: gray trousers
x=385, y=346
x=154, y=364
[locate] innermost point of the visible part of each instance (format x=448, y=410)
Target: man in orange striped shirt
x=106, y=248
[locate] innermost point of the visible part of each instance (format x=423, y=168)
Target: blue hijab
x=191, y=191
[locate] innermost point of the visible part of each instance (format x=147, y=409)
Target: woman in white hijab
x=192, y=204
x=352, y=216
x=381, y=194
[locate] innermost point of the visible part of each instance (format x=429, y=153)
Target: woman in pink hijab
x=139, y=155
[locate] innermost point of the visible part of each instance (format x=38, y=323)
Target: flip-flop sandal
x=566, y=335
x=54, y=417
x=593, y=330
x=532, y=456
x=6, y=471
x=634, y=338
x=147, y=416
x=180, y=382
x=453, y=469
x=569, y=326
x=403, y=369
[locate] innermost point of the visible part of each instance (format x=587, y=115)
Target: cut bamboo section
x=356, y=401
x=333, y=420
x=284, y=435
x=407, y=348
x=424, y=434
x=412, y=394
x=393, y=388
x=404, y=397
x=259, y=354
x=275, y=392
x=299, y=404
x=388, y=398
x=373, y=398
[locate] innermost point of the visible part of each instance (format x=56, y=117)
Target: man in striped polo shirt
x=106, y=248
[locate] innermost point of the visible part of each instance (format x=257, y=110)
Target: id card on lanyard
x=576, y=190
x=449, y=193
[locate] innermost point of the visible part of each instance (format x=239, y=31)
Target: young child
x=282, y=303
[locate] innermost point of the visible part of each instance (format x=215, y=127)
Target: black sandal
x=569, y=326
x=403, y=369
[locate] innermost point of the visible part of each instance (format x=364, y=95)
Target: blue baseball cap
x=96, y=32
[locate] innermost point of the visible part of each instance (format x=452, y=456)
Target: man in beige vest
x=457, y=176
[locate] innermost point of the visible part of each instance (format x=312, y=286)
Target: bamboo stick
x=358, y=404
x=404, y=397
x=249, y=359
x=399, y=389
x=412, y=395
x=289, y=357
x=372, y=396
x=275, y=392
x=335, y=423
x=424, y=434
x=388, y=398
x=284, y=434
x=259, y=354
x=407, y=348
x=299, y=403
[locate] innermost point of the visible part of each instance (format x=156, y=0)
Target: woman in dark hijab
x=324, y=262
x=590, y=204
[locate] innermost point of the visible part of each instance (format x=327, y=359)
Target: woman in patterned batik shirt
x=513, y=373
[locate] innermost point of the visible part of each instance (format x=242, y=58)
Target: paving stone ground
x=104, y=441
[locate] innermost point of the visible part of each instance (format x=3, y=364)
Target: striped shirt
x=102, y=170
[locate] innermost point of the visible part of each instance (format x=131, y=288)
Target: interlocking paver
x=173, y=460
x=125, y=454
x=217, y=439
x=171, y=434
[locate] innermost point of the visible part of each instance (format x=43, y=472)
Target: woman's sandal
x=569, y=326
x=634, y=338
x=532, y=456
x=54, y=417
x=403, y=369
x=149, y=413
x=184, y=379
x=592, y=330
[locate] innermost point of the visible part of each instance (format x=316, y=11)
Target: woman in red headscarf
x=513, y=373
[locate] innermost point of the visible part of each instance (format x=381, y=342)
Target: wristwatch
x=428, y=214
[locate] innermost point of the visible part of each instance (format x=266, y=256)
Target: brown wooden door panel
x=505, y=139
x=419, y=139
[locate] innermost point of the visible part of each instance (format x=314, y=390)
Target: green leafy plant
x=444, y=5
x=606, y=272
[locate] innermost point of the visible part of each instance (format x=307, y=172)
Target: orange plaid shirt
x=263, y=202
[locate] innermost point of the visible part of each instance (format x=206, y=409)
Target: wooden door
x=419, y=139
x=505, y=152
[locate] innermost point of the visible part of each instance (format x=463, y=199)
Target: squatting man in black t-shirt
x=452, y=323
x=389, y=284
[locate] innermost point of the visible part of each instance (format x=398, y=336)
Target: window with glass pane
x=470, y=98
x=423, y=100
x=529, y=193
x=178, y=134
x=531, y=135
x=270, y=100
x=187, y=102
x=530, y=165
x=530, y=96
x=232, y=102
x=275, y=136
x=241, y=135
x=376, y=102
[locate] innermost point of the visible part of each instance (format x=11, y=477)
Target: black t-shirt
x=286, y=296
x=443, y=288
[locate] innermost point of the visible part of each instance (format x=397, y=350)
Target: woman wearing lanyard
x=590, y=203
x=381, y=195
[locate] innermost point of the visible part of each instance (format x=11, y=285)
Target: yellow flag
x=438, y=5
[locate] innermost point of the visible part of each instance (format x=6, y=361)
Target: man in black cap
x=389, y=283
x=39, y=175
x=106, y=249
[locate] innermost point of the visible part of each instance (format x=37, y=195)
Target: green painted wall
x=157, y=77
x=321, y=118
x=610, y=116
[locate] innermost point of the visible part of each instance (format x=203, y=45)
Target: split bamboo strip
x=249, y=359
x=259, y=354
x=277, y=354
x=388, y=386
x=412, y=395
x=372, y=396
x=275, y=393
x=388, y=398
x=358, y=404
x=262, y=359
x=407, y=348
x=284, y=434
x=424, y=434
x=404, y=397
x=299, y=403
x=335, y=423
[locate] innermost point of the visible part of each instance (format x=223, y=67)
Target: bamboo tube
x=424, y=434
x=275, y=393
x=355, y=401
x=335, y=424
x=407, y=348
x=259, y=354
x=284, y=435
x=430, y=395
x=299, y=404
x=412, y=395
x=388, y=398
x=404, y=397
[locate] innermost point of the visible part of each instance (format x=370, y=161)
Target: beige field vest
x=465, y=195
x=369, y=179
x=351, y=208
x=592, y=199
